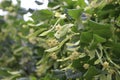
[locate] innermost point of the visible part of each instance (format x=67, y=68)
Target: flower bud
x=57, y=14
x=105, y=64
x=86, y=66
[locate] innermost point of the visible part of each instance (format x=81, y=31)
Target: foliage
x=69, y=40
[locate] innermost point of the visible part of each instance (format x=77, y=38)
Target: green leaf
x=81, y=3
x=86, y=37
x=92, y=71
x=53, y=3
x=75, y=13
x=3, y=72
x=93, y=45
x=97, y=26
x=103, y=30
x=42, y=15
x=116, y=50
x=70, y=3
x=98, y=39
x=32, y=78
x=78, y=63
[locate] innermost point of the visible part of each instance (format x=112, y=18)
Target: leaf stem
x=109, y=59
x=99, y=57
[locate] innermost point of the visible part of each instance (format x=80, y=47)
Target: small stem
x=99, y=57
x=109, y=59
x=64, y=59
x=56, y=23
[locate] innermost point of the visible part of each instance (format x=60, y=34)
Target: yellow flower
x=57, y=14
x=32, y=40
x=58, y=27
x=105, y=64
x=53, y=56
x=86, y=66
x=77, y=7
x=52, y=42
x=74, y=55
x=24, y=26
x=31, y=30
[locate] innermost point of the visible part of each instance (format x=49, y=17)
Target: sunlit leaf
x=103, y=30
x=42, y=15
x=75, y=13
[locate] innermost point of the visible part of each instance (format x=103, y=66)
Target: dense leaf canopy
x=70, y=40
